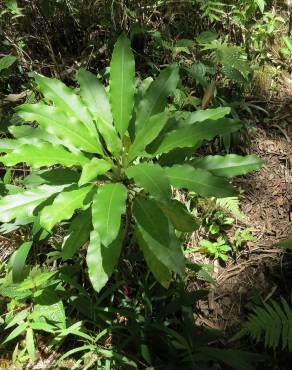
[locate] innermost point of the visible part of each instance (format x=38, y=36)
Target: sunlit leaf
x=200, y=181
x=122, y=78
x=229, y=165
x=55, y=121
x=154, y=100
x=109, y=203
x=92, y=169
x=65, y=99
x=44, y=154
x=63, y=206
x=191, y=135
x=95, y=98
x=24, y=203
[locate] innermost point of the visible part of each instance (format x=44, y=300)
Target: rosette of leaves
x=107, y=159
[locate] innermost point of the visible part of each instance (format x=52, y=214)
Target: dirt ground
x=261, y=270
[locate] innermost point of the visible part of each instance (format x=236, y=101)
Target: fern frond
x=231, y=205
x=271, y=323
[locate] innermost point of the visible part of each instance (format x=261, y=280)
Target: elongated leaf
x=93, y=169
x=179, y=216
x=68, y=129
x=54, y=176
x=78, y=234
x=17, y=319
x=29, y=342
x=7, y=61
x=154, y=100
x=152, y=178
x=8, y=145
x=63, y=206
x=28, y=135
x=44, y=154
x=261, y=4
x=101, y=260
x=158, y=234
x=158, y=269
x=122, y=79
x=16, y=332
x=95, y=98
x=64, y=98
x=18, y=261
x=191, y=135
x=200, y=181
x=147, y=134
x=109, y=204
x=229, y=165
x=23, y=204
x=207, y=114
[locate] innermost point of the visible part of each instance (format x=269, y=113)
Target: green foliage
x=7, y=61
x=107, y=148
x=231, y=205
x=217, y=249
x=243, y=236
x=271, y=324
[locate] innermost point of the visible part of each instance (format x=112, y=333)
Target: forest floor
x=260, y=271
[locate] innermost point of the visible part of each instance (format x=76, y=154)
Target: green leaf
x=40, y=325
x=95, y=97
x=54, y=176
x=207, y=114
x=23, y=204
x=261, y=4
x=158, y=234
x=7, y=61
x=200, y=181
x=8, y=145
x=29, y=342
x=78, y=234
x=147, y=134
x=101, y=260
x=36, y=280
x=55, y=121
x=18, y=261
x=229, y=165
x=50, y=308
x=154, y=100
x=65, y=99
x=179, y=216
x=158, y=269
x=16, y=332
x=109, y=203
x=27, y=135
x=44, y=154
x=92, y=169
x=122, y=80
x=191, y=135
x=17, y=319
x=63, y=206
x=152, y=178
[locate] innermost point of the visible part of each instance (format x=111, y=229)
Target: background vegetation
x=232, y=58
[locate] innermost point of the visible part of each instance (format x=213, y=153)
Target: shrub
x=107, y=160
